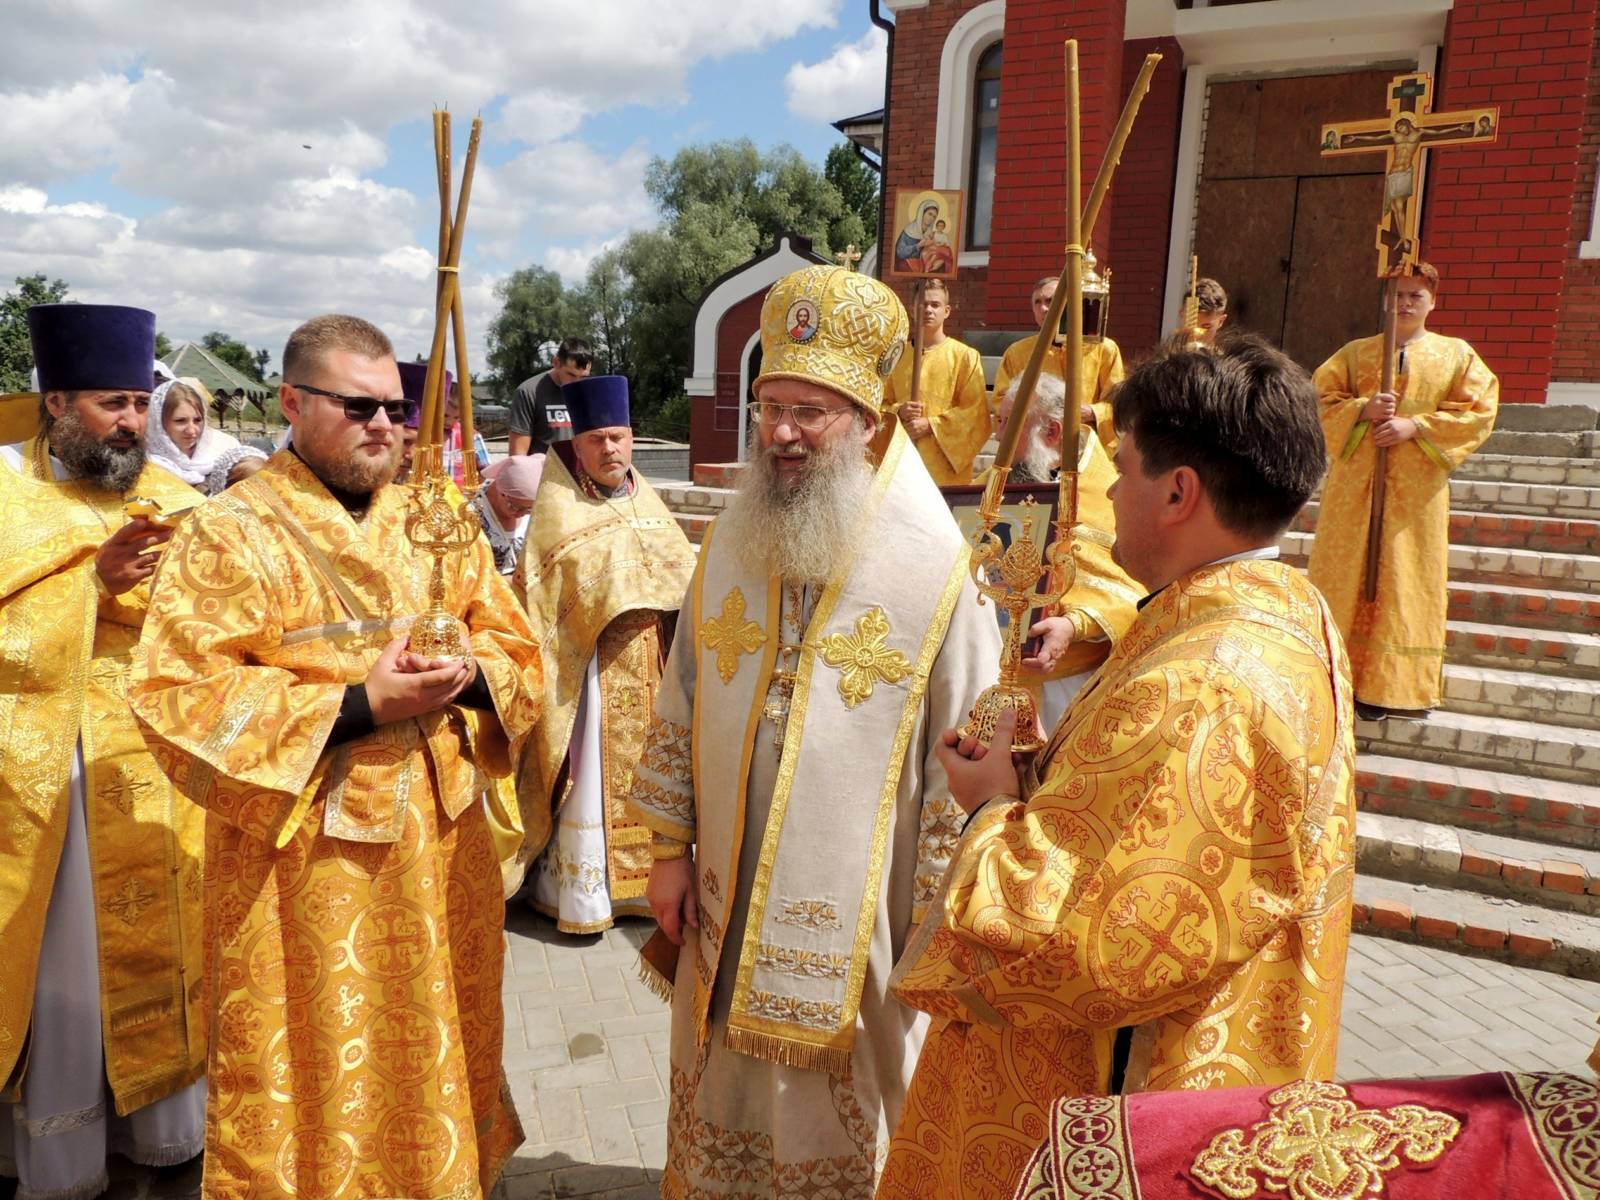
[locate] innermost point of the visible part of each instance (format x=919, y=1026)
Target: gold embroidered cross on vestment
x=1318, y=1144
x=730, y=635
x=864, y=658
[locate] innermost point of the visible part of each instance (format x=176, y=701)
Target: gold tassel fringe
x=835, y=1060
x=655, y=980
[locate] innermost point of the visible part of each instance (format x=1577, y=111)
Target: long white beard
x=804, y=530
x=1037, y=463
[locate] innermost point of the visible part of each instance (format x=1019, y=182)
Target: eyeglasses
x=812, y=418
x=363, y=408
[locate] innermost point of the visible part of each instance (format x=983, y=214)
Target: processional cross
x=1404, y=136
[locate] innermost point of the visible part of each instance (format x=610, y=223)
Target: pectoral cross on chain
x=1404, y=136
x=780, y=691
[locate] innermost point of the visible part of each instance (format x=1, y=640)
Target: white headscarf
x=224, y=464
x=163, y=451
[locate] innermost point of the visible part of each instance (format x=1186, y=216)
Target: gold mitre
x=833, y=327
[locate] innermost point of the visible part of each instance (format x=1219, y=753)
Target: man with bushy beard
x=801, y=820
x=1077, y=634
x=100, y=1041
x=353, y=896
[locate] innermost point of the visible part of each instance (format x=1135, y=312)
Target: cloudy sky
x=241, y=166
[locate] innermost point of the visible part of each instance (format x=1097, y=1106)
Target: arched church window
x=985, y=139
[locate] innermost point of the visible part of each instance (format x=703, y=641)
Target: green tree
x=858, y=187
x=163, y=345
x=536, y=312
x=609, y=298
x=233, y=352
x=16, y=351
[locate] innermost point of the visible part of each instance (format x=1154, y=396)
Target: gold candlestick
x=439, y=524
x=1021, y=567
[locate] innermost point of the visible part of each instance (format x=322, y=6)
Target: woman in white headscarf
x=177, y=436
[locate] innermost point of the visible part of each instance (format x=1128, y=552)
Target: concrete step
x=1414, y=851
x=1511, y=804
x=683, y=496
x=1526, y=608
x=1545, y=418
x=1552, y=444
x=1575, y=656
x=1547, y=534
x=1531, y=499
x=1480, y=564
x=1558, y=752
x=1532, y=470
x=1523, y=695
x=1468, y=922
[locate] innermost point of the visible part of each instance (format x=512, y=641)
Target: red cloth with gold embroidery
x=1532, y=1137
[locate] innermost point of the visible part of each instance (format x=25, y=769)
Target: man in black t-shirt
x=538, y=412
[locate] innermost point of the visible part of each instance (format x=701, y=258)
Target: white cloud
x=847, y=82
x=248, y=146
x=572, y=262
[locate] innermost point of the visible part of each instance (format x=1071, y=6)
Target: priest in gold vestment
x=1102, y=369
x=950, y=422
x=1442, y=409
x=354, y=906
x=801, y=819
x=602, y=573
x=101, y=1035
x=1164, y=900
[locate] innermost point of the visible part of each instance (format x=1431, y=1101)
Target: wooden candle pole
x=1072, y=358
x=915, y=396
x=1091, y=213
x=1380, y=459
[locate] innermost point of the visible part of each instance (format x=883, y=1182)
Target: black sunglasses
x=363, y=408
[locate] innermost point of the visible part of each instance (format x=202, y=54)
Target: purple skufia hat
x=84, y=347
x=598, y=402
x=413, y=378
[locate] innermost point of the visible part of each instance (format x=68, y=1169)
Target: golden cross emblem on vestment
x=1404, y=136
x=848, y=257
x=1318, y=1144
x=864, y=658
x=730, y=635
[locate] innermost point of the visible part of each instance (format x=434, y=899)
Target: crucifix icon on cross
x=1405, y=136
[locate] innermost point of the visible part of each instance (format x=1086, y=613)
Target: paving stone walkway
x=586, y=1049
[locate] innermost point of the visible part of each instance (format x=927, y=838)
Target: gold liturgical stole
x=859, y=684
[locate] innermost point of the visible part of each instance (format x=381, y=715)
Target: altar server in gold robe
x=1163, y=901
x=800, y=813
x=101, y=1037
x=1442, y=409
x=1077, y=634
x=354, y=904
x=1102, y=366
x=603, y=572
x=950, y=421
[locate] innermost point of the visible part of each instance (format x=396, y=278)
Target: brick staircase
x=1479, y=828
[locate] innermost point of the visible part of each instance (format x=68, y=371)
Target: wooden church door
x=1286, y=231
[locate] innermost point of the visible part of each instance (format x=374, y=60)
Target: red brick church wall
x=714, y=427
x=1141, y=199
x=1577, y=354
x=1030, y=176
x=1497, y=220
x=919, y=38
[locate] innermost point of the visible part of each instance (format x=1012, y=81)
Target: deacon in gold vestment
x=101, y=1035
x=1165, y=900
x=354, y=905
x=951, y=420
x=1102, y=369
x=830, y=632
x=1444, y=409
x=603, y=572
